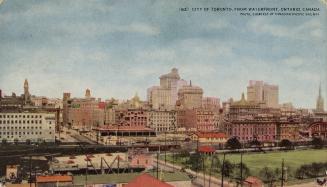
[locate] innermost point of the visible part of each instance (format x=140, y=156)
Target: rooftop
x=172, y=74
x=127, y=177
x=146, y=180
x=211, y=135
x=206, y=149
x=54, y=178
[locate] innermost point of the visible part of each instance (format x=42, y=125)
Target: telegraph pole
x=241, y=169
x=204, y=171
x=282, y=180
x=165, y=147
x=157, y=165
x=222, y=172
x=210, y=169
x=30, y=171
x=87, y=163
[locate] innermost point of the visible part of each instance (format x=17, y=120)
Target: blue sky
x=118, y=48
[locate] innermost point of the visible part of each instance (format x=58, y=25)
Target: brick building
x=197, y=119
x=318, y=129
x=131, y=117
x=264, y=131
x=83, y=113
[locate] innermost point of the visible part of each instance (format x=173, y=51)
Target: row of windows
x=20, y=115
x=21, y=127
x=21, y=122
x=19, y=133
x=8, y=137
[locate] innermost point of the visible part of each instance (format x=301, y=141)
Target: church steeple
x=320, y=101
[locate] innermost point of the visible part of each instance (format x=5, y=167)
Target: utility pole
x=241, y=180
x=157, y=165
x=282, y=180
x=204, y=171
x=165, y=147
x=87, y=163
x=210, y=169
x=35, y=169
x=118, y=164
x=197, y=144
x=222, y=172
x=30, y=171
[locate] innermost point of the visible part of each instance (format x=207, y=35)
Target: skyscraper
x=263, y=93
x=190, y=97
x=166, y=95
x=27, y=96
x=320, y=101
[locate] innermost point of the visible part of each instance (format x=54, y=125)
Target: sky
x=119, y=48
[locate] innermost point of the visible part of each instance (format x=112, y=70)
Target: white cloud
x=293, y=61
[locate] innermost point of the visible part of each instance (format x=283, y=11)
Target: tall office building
x=190, y=97
x=27, y=96
x=320, y=102
x=263, y=93
x=165, y=95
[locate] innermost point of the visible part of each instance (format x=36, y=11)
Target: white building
x=190, y=97
x=166, y=95
x=35, y=127
x=263, y=93
x=162, y=120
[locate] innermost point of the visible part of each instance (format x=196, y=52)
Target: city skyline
x=116, y=51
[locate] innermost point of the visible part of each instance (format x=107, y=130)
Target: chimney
x=0, y=94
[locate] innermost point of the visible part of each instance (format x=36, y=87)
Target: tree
x=28, y=141
x=194, y=161
x=228, y=168
x=286, y=143
x=184, y=153
x=300, y=173
x=233, y=143
x=216, y=164
x=268, y=176
x=4, y=141
x=237, y=171
x=16, y=141
x=317, y=142
x=255, y=143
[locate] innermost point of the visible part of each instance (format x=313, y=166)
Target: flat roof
x=125, y=128
x=54, y=178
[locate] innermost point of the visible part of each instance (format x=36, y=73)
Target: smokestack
x=0, y=94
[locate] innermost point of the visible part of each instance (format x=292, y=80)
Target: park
x=299, y=165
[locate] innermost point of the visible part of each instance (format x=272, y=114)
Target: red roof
x=54, y=178
x=206, y=149
x=211, y=135
x=146, y=180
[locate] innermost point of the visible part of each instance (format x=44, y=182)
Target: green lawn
x=256, y=161
x=292, y=159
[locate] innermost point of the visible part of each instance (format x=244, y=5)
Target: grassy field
x=256, y=161
x=292, y=159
